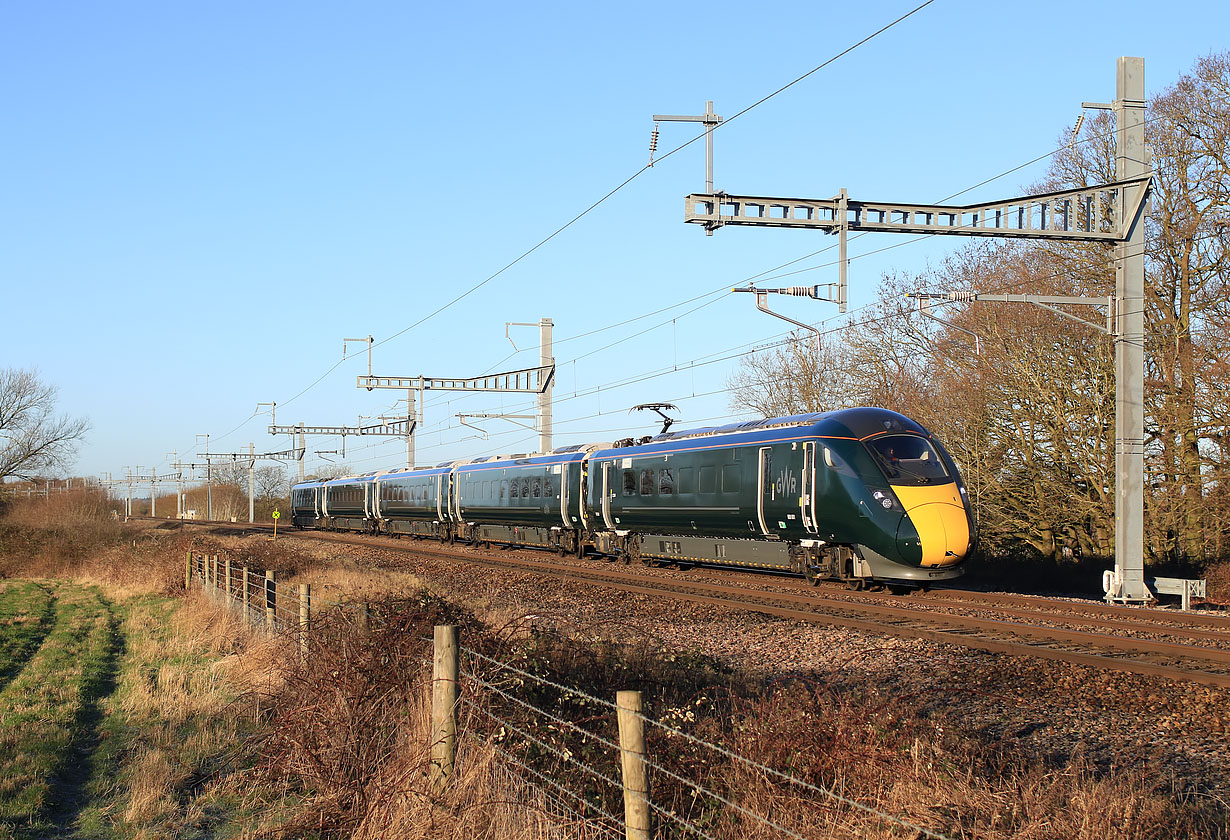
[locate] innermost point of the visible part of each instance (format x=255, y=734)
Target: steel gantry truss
x=137, y=480
x=387, y=427
x=534, y=380
x=251, y=456
x=1110, y=213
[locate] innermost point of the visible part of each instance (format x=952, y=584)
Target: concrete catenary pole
x=302, y=451
x=410, y=408
x=1130, y=162
x=251, y=483
x=545, y=358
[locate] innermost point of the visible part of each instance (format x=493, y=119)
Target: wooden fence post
x=230, y=593
x=444, y=707
x=247, y=613
x=364, y=617
x=271, y=601
x=632, y=758
x=305, y=619
x=188, y=571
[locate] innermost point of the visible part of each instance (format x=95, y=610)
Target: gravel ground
x=1052, y=710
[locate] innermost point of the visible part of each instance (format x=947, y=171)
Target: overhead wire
x=698, y=297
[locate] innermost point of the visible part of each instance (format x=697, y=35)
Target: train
x=861, y=495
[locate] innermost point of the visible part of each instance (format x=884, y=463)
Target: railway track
x=1159, y=643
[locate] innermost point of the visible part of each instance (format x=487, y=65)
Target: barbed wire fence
x=594, y=762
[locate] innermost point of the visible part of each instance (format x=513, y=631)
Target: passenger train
x=862, y=495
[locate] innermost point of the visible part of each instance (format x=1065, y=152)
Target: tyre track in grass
x=26, y=609
x=49, y=714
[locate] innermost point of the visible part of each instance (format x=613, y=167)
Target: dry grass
x=220, y=721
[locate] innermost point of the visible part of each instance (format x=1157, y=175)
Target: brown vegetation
x=337, y=747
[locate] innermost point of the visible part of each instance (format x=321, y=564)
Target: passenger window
x=546, y=487
x=666, y=482
x=647, y=482
x=525, y=488
x=503, y=490
x=687, y=480
x=537, y=487
x=513, y=489
x=708, y=479
x=730, y=478
x=629, y=483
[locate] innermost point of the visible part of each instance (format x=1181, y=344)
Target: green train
x=864, y=495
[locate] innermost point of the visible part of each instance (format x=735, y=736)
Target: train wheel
x=856, y=584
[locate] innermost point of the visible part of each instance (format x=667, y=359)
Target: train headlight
x=885, y=500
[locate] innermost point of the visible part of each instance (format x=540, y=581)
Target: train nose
x=938, y=516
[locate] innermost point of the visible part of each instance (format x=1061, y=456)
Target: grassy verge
x=45, y=708
x=175, y=737
x=25, y=617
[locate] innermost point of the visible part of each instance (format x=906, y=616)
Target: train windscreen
x=909, y=459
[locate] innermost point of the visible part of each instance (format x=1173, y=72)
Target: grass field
x=113, y=716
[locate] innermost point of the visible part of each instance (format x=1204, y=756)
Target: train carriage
x=414, y=501
x=853, y=494
x=305, y=502
x=523, y=500
x=348, y=503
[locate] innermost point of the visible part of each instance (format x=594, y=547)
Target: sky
x=199, y=202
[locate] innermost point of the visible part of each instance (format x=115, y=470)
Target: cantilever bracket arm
x=511, y=418
x=924, y=309
x=762, y=297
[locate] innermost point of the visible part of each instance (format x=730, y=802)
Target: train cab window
x=513, y=490
x=647, y=482
x=908, y=459
x=730, y=478
x=666, y=482
x=629, y=482
x=708, y=479
x=537, y=486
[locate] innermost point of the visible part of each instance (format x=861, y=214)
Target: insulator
x=653, y=143
x=800, y=291
x=963, y=296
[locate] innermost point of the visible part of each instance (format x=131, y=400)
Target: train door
x=764, y=484
x=807, y=496
x=439, y=498
x=583, y=506
x=606, y=494
x=563, y=494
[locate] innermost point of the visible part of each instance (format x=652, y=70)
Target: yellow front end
x=938, y=514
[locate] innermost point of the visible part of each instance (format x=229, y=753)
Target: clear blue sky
x=199, y=201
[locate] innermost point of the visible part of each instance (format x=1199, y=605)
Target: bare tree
x=34, y=440
x=271, y=482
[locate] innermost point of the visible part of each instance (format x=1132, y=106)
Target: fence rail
x=607, y=749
